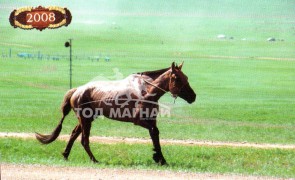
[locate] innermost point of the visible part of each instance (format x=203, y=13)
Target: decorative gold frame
x=15, y=15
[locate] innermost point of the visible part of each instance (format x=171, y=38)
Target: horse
x=138, y=94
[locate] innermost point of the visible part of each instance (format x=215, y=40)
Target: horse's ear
x=173, y=66
x=180, y=66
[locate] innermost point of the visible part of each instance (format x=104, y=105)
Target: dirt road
x=32, y=172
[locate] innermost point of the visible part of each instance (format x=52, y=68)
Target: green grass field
x=272, y=162
x=245, y=87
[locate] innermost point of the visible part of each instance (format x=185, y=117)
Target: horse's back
x=102, y=90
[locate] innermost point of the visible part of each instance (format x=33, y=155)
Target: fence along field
x=247, y=99
x=38, y=55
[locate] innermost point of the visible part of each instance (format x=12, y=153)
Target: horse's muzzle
x=192, y=99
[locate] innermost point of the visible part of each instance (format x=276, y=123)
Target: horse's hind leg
x=86, y=126
x=75, y=133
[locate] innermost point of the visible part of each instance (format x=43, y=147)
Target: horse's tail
x=66, y=108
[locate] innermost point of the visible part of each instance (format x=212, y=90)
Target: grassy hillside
x=172, y=29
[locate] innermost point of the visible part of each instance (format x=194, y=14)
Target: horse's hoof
x=65, y=155
x=159, y=159
x=163, y=162
x=94, y=161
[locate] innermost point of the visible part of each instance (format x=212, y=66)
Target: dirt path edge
x=114, y=140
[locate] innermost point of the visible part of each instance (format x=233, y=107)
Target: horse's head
x=179, y=85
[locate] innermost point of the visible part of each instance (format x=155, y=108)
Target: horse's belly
x=121, y=112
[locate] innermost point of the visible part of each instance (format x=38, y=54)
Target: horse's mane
x=154, y=74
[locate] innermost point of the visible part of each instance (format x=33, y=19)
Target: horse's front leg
x=149, y=122
x=158, y=156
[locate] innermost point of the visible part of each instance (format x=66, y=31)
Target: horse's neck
x=160, y=86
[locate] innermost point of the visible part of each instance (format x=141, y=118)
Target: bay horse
x=138, y=93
